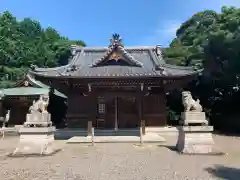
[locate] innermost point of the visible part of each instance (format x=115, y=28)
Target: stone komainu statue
x=189, y=103
x=40, y=105
x=38, y=115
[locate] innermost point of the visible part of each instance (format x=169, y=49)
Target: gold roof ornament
x=116, y=40
x=115, y=55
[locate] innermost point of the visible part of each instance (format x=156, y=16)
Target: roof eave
x=106, y=48
x=196, y=73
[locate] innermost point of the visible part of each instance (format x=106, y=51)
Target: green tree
x=211, y=40
x=25, y=42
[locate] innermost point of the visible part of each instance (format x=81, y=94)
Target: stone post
x=93, y=136
x=89, y=128
x=143, y=127
x=141, y=137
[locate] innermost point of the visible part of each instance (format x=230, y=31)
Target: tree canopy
x=26, y=42
x=211, y=40
x=207, y=36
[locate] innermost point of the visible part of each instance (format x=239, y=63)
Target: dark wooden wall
x=81, y=109
x=154, y=110
x=128, y=114
x=78, y=111
x=18, y=110
x=18, y=115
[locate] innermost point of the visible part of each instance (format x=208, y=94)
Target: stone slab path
x=150, y=137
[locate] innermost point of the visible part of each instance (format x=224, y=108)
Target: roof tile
x=149, y=64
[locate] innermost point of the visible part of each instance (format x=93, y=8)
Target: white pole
x=3, y=128
x=93, y=136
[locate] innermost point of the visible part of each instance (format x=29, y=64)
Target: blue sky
x=139, y=22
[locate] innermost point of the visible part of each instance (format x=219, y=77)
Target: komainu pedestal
x=35, y=140
x=195, y=140
x=38, y=120
x=37, y=133
x=193, y=118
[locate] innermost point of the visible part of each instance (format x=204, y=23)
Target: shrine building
x=20, y=97
x=110, y=87
x=115, y=87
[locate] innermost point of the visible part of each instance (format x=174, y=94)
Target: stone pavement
x=150, y=137
x=118, y=161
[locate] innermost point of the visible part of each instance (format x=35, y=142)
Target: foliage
x=211, y=40
x=25, y=42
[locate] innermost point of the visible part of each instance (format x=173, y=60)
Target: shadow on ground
x=171, y=148
x=65, y=134
x=227, y=173
x=33, y=154
x=174, y=149
x=224, y=133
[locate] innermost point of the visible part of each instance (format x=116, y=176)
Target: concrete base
x=37, y=141
x=195, y=140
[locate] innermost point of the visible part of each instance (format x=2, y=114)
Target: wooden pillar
x=164, y=100
x=70, y=119
x=140, y=109
x=116, y=113
x=92, y=112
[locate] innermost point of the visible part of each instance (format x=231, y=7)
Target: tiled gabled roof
x=116, y=46
x=34, y=87
x=148, y=62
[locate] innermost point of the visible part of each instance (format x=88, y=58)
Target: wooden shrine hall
x=115, y=87
x=20, y=97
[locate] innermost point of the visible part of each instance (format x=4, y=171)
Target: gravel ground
x=121, y=161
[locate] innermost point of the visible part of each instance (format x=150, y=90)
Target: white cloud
x=229, y=3
x=218, y=4
x=164, y=33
